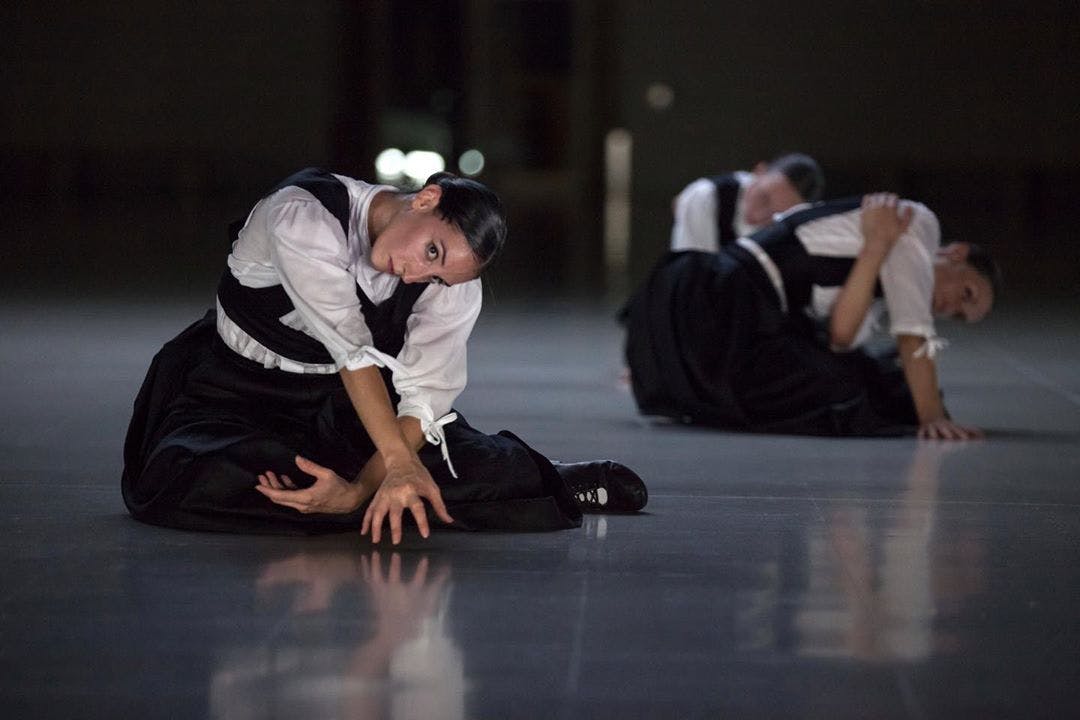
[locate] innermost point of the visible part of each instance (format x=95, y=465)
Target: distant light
x=389, y=165
x=471, y=162
x=659, y=96
x=422, y=164
x=618, y=166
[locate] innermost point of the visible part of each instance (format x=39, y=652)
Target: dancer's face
x=419, y=246
x=770, y=192
x=960, y=291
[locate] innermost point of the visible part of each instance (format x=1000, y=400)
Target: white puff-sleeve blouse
x=906, y=275
x=291, y=239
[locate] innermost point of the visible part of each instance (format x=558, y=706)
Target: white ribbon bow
x=433, y=432
x=931, y=347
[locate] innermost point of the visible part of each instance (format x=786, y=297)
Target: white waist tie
x=434, y=434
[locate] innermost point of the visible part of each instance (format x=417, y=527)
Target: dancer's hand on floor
x=945, y=429
x=406, y=486
x=330, y=493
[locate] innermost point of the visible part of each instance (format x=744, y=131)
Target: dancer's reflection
x=410, y=648
x=406, y=666
x=892, y=573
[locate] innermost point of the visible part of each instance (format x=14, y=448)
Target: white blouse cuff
x=931, y=346
x=433, y=430
x=932, y=343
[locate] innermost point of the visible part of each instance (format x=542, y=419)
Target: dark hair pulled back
x=980, y=259
x=804, y=174
x=476, y=210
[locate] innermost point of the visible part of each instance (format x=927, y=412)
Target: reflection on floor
x=772, y=577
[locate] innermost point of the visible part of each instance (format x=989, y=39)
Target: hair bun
x=804, y=174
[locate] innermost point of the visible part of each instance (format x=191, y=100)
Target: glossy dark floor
x=771, y=577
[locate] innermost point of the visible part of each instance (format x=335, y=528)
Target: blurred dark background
x=133, y=132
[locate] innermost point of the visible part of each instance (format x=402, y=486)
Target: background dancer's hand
x=406, y=485
x=946, y=429
x=884, y=218
x=330, y=493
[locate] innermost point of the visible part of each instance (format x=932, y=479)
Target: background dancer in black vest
x=764, y=336
x=713, y=211
x=337, y=348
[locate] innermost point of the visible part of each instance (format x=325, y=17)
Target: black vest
x=799, y=269
x=258, y=310
x=727, y=196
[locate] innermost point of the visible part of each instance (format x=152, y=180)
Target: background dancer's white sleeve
x=695, y=218
x=907, y=276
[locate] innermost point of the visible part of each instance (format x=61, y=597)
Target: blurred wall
x=107, y=96
x=970, y=107
x=132, y=132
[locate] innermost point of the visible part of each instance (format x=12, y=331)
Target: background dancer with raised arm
x=767, y=334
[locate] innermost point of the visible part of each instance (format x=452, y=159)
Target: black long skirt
x=207, y=421
x=707, y=343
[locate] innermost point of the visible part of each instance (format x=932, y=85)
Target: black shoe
x=604, y=486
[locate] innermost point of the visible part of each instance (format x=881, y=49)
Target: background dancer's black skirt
x=708, y=343
x=207, y=421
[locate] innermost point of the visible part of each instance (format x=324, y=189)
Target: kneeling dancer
x=317, y=395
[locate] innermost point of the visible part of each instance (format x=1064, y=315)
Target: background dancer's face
x=418, y=245
x=960, y=291
x=770, y=192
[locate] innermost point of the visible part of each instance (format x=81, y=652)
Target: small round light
x=422, y=164
x=659, y=96
x=471, y=162
x=389, y=164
